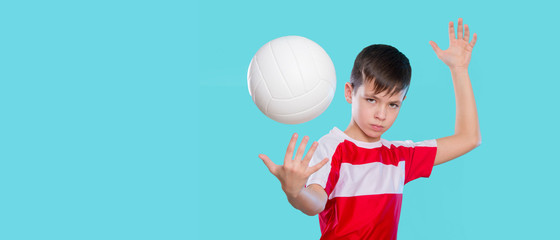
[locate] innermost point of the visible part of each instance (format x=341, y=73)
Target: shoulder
x=331, y=140
x=328, y=143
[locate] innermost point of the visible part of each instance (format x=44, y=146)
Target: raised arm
x=467, y=130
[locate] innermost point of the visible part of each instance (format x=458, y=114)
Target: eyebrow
x=373, y=95
x=370, y=95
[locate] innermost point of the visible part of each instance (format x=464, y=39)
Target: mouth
x=377, y=128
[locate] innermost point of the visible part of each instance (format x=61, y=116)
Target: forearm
x=466, y=118
x=308, y=201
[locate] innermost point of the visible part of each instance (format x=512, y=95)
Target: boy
x=355, y=179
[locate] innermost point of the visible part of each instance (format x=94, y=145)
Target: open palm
x=458, y=55
x=294, y=173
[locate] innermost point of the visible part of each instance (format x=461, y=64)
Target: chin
x=369, y=133
x=374, y=134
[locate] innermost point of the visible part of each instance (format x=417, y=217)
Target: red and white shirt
x=364, y=183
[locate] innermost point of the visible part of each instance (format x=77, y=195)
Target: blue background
x=132, y=119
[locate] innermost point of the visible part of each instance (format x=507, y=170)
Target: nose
x=380, y=113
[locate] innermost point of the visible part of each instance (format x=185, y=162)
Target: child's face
x=372, y=114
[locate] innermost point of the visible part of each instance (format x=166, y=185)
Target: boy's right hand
x=294, y=173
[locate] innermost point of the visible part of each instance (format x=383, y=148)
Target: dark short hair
x=385, y=65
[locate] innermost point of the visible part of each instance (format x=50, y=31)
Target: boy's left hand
x=458, y=55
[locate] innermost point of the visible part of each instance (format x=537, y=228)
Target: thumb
x=435, y=47
x=269, y=164
x=318, y=165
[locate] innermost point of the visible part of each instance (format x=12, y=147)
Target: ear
x=348, y=92
x=404, y=98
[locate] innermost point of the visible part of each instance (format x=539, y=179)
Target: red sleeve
x=419, y=159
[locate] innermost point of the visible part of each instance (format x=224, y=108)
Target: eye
x=370, y=100
x=394, y=105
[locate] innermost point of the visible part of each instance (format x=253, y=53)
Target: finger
x=473, y=40
x=460, y=29
x=310, y=153
x=451, y=31
x=318, y=166
x=301, y=148
x=290, y=150
x=272, y=167
x=435, y=47
x=467, y=33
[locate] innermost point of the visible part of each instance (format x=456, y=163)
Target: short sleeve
x=321, y=176
x=419, y=159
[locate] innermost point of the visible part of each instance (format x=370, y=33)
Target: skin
x=380, y=109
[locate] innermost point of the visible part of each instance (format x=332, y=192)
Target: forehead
x=367, y=90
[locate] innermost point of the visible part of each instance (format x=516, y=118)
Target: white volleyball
x=291, y=79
